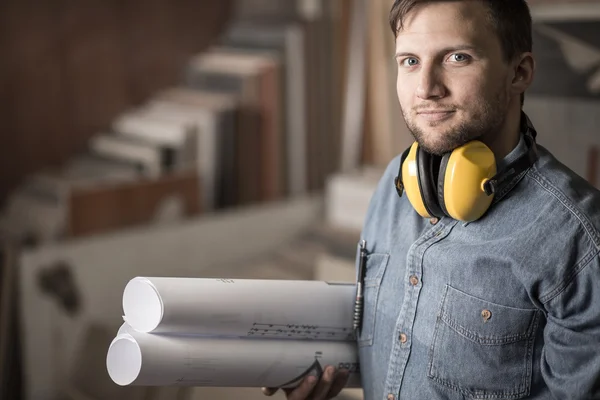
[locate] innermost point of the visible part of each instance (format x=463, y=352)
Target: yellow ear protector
x=460, y=184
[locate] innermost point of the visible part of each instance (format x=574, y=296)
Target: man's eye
x=459, y=57
x=410, y=62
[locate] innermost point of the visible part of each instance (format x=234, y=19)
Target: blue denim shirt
x=506, y=307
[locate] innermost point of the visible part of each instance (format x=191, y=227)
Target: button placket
x=401, y=346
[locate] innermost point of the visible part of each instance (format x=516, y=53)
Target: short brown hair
x=510, y=18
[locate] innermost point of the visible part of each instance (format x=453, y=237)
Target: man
x=505, y=305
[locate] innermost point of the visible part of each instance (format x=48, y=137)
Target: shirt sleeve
x=570, y=361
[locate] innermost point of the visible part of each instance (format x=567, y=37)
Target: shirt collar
x=502, y=164
x=519, y=150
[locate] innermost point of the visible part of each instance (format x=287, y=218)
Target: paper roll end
x=124, y=360
x=142, y=305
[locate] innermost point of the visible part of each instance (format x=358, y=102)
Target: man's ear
x=524, y=71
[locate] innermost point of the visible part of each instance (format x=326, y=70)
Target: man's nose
x=430, y=83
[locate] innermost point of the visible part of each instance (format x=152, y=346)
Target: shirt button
x=391, y=397
x=434, y=221
x=414, y=280
x=403, y=338
x=486, y=315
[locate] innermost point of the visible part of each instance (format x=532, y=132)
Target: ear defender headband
x=460, y=184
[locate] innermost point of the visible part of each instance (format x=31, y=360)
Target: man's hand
x=331, y=384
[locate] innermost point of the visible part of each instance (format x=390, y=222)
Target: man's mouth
x=435, y=114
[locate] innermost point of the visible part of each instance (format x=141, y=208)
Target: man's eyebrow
x=443, y=51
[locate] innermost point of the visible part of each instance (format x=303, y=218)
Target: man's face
x=453, y=82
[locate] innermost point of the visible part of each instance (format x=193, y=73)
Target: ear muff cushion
x=410, y=181
x=427, y=184
x=441, y=182
x=468, y=168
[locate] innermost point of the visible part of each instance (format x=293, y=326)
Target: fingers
x=330, y=385
x=321, y=391
x=269, y=391
x=339, y=383
x=302, y=391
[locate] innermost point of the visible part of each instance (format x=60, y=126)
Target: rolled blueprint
x=149, y=359
x=241, y=308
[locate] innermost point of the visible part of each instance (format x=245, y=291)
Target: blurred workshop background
x=203, y=138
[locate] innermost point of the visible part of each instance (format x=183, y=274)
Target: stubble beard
x=485, y=122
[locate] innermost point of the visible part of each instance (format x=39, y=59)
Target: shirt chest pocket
x=376, y=264
x=482, y=349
